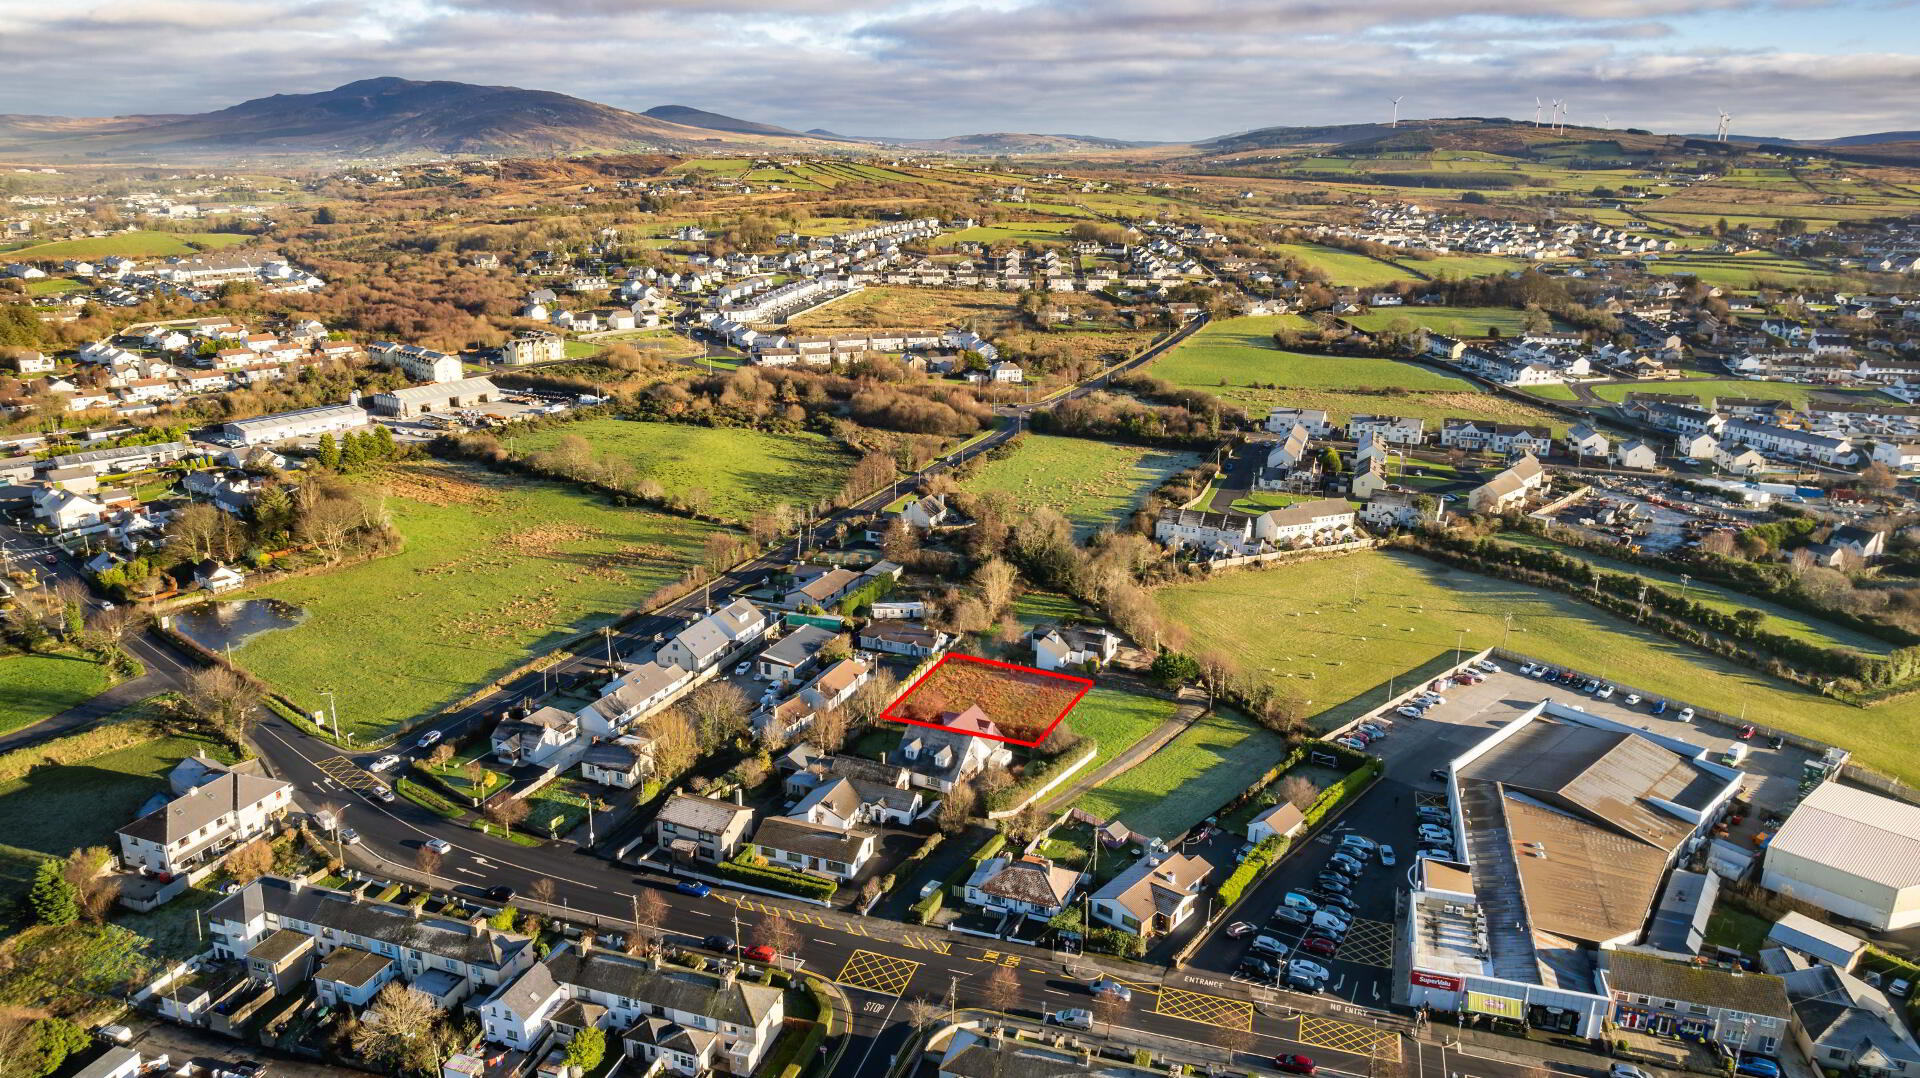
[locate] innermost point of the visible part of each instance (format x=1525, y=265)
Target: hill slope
x=687, y=116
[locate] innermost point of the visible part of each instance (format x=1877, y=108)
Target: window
x=1837, y=1053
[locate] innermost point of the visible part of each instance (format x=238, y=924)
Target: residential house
x=919, y=512
x=1699, y=446
x=845, y=790
x=1028, y=885
x=1318, y=521
x=1073, y=647
x=1316, y=422
x=707, y=641
x=823, y=590
x=1481, y=435
x=1153, y=896
x=1845, y=1024
x=1205, y=532
x=1395, y=430
x=1584, y=441
x=205, y=819
x=963, y=745
x=636, y=694
x=701, y=828
x=1636, y=454
x=1738, y=460
x=788, y=659
x=1900, y=456
x=1282, y=820
x=548, y=737
x=622, y=762
x=1509, y=488
x=1817, y=941
x=352, y=976
x=821, y=849
x=903, y=638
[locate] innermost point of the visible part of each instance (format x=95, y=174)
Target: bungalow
x=1153, y=896
x=1845, y=1024
x=695, y=828
x=823, y=849
x=823, y=590
x=1030, y=885
x=620, y=763
x=1073, y=647
x=215, y=577
x=1283, y=820
x=635, y=694
x=798, y=650
x=921, y=513
x=903, y=638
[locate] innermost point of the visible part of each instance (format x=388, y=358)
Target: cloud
x=1159, y=69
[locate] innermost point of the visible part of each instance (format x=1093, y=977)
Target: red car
x=1746, y=732
x=761, y=953
x=1319, y=945
x=1294, y=1064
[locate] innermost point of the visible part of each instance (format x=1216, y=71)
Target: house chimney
x=296, y=884
x=737, y=798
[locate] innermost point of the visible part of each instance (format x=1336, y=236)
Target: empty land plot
x=59, y=808
x=1794, y=393
x=493, y=571
x=1188, y=778
x=41, y=686
x=1334, y=632
x=907, y=308
x=1094, y=484
x=1453, y=321
x=1115, y=721
x=1775, y=618
x=1344, y=269
x=1023, y=703
x=741, y=472
x=131, y=244
x=1236, y=361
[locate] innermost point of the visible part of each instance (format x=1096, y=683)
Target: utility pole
x=333, y=710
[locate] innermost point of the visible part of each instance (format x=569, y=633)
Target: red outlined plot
x=987, y=698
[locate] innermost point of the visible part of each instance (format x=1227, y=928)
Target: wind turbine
x=1554, y=123
x=1726, y=126
x=1536, y=111
x=1396, y=112
x=1608, y=117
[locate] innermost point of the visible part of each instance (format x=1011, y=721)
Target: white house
x=200, y=825
x=1396, y=430
x=1073, y=647
x=1153, y=896
x=1636, y=454
x=703, y=643
x=1030, y=885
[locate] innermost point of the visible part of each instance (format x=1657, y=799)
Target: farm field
x=58, y=808
x=906, y=308
x=1094, y=484
x=741, y=471
x=1470, y=322
x=1344, y=269
x=493, y=571
x=130, y=244
x=1730, y=271
x=1011, y=232
x=1206, y=765
x=1794, y=393
x=40, y=686
x=1023, y=703
x=1467, y=265
x=1337, y=631
x=1236, y=360
x=1778, y=619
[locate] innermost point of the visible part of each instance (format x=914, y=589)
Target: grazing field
x=494, y=570
x=130, y=244
x=1458, y=266
x=907, y=308
x=1023, y=703
x=736, y=473
x=47, y=286
x=1094, y=484
x=40, y=686
x=1794, y=393
x=1188, y=778
x=1236, y=360
x=1336, y=631
x=1777, y=619
x=59, y=808
x=1741, y=271
x=1468, y=322
x=1344, y=269
x=1011, y=232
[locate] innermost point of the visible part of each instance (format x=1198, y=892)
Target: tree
x=1218, y=668
x=1299, y=791
x=58, y=1039
x=224, y=699
x=507, y=811
x=675, y=745
x=51, y=897
x=649, y=909
x=1173, y=669
x=397, y=1030
x=587, y=1048
x=720, y=711
x=1002, y=989
x=777, y=932
x=923, y=1012
x=956, y=810
x=543, y=891
x=251, y=861
x=327, y=452
x=94, y=891
x=504, y=919
x=1877, y=477
x=442, y=754
x=427, y=860
x=996, y=580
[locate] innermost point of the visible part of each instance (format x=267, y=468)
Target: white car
x=382, y=793
x=1410, y=711
x=1488, y=665
x=1527, y=669
x=1605, y=693
x=429, y=739
x=384, y=762
x=1386, y=855
x=1301, y=967
x=349, y=836
x=740, y=669
x=1686, y=714
x=1632, y=699
x=438, y=845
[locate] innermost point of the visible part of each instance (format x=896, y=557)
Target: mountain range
x=390, y=117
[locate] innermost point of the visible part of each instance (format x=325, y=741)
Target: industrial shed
x=436, y=397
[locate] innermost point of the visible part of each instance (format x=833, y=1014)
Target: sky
x=1167, y=70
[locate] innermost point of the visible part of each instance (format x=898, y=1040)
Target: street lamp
x=333, y=710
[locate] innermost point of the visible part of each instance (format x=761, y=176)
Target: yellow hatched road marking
x=1207, y=1010
x=1370, y=944
x=878, y=972
x=1348, y=1037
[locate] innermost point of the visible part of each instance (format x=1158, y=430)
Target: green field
x=1013, y=232
x=39, y=686
x=130, y=244
x=494, y=570
x=1453, y=321
x=1794, y=393
x=59, y=808
x=1467, y=265
x=1336, y=631
x=1188, y=778
x=1778, y=619
x=1344, y=269
x=1115, y=720
x=47, y=286
x=1236, y=360
x=1093, y=484
x=742, y=471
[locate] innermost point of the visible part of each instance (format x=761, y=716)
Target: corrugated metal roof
x=1863, y=834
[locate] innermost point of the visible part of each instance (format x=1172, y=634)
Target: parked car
x=428, y=739
x=1541, y=671
x=1434, y=853
x=438, y=845
x=1353, y=743
x=381, y=792
x=1373, y=732
x=113, y=1034
x=1075, y=1018
x=1287, y=915
x=1238, y=929
x=1342, y=862
x=500, y=893
x=1339, y=902
x=1302, y=983
x=1432, y=813
x=1320, y=945
x=1409, y=711
x=1359, y=847
x=1258, y=969
x=1386, y=855
x=1332, y=922
x=1659, y=707
x=692, y=887
x=1294, y=900
x=1776, y=741
x=723, y=944
x=1527, y=669
x=1431, y=832
x=1632, y=700
x=1293, y=1064
x=1686, y=714
x=1605, y=693
x=1757, y=1067
x=1311, y=969
x=1746, y=731
x=759, y=953
x=1333, y=883
x=1268, y=946
x=1626, y=1070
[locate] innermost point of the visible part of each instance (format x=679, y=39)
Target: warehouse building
x=1567, y=826
x=438, y=397
x=305, y=423
x=1852, y=853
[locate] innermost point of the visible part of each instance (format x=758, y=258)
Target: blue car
x=1660, y=708
x=1758, y=1067
x=697, y=889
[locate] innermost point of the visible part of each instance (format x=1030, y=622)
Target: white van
x=1735, y=755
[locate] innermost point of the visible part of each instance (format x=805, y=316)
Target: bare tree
x=720, y=712
x=1002, y=990
x=397, y=1030
x=224, y=699
x=649, y=909
x=996, y=580
x=543, y=890
x=427, y=860
x=94, y=891
x=778, y=933
x=1299, y=791
x=442, y=754
x=923, y=1012
x=251, y=861
x=956, y=810
x=507, y=811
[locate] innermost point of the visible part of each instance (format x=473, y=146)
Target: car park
x=1293, y=1064
x=438, y=845
x=692, y=887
